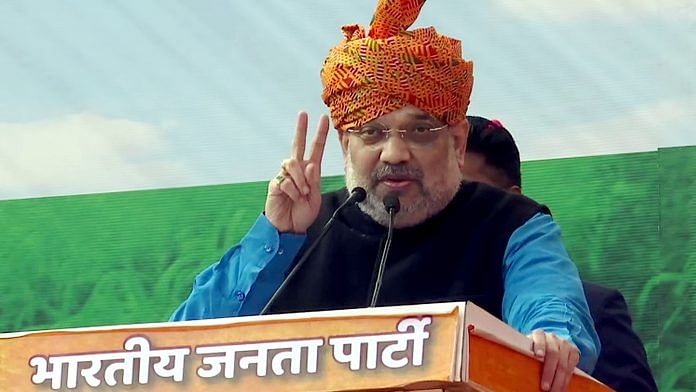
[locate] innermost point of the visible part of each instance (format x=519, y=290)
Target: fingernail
x=545, y=386
x=540, y=353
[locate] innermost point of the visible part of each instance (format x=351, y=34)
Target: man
x=398, y=100
x=492, y=158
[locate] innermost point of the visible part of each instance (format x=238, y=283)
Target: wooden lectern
x=436, y=347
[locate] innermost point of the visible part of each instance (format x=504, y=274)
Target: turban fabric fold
x=369, y=75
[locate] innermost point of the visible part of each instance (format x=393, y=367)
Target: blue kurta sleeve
x=245, y=277
x=543, y=288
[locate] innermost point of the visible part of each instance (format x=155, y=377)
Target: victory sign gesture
x=294, y=195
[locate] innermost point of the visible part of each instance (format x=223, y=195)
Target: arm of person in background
x=544, y=299
x=249, y=273
x=245, y=277
x=622, y=362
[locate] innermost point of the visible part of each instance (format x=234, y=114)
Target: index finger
x=538, y=342
x=300, y=140
x=319, y=142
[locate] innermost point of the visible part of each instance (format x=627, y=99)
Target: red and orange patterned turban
x=367, y=76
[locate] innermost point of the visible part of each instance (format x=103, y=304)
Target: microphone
x=392, y=205
x=357, y=195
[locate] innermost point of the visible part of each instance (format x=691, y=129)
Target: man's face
x=421, y=167
x=476, y=169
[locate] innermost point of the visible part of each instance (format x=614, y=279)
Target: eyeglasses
x=416, y=135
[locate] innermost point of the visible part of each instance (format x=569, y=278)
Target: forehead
x=405, y=114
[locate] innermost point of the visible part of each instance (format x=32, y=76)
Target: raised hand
x=294, y=195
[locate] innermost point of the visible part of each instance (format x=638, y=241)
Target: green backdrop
x=131, y=257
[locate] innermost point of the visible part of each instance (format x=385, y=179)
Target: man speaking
x=398, y=99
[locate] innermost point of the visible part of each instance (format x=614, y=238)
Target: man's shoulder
x=485, y=198
x=600, y=291
x=622, y=363
x=599, y=297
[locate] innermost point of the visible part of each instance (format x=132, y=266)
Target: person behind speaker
x=492, y=158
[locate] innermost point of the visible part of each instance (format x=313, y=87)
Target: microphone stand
x=391, y=203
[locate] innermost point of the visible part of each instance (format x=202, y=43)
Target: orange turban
x=365, y=77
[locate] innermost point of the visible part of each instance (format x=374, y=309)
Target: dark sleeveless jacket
x=454, y=255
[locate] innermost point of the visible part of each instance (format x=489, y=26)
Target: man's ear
x=460, y=134
x=515, y=189
x=343, y=139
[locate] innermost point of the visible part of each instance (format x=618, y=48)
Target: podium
x=435, y=347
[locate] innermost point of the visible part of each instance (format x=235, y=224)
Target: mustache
x=385, y=170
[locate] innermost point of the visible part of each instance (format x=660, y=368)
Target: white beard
x=434, y=196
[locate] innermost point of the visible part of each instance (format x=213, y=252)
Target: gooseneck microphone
x=392, y=205
x=357, y=195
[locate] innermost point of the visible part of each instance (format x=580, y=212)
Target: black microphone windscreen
x=358, y=194
x=391, y=202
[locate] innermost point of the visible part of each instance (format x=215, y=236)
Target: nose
x=395, y=150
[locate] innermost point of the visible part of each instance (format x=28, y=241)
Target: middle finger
x=319, y=141
x=550, y=361
x=300, y=140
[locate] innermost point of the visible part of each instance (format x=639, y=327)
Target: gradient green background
x=629, y=222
